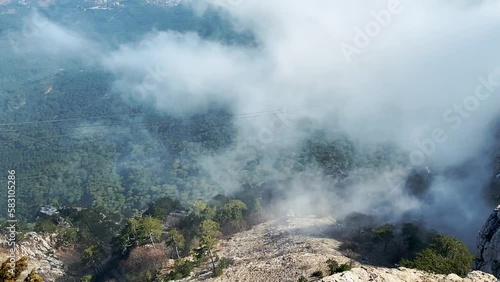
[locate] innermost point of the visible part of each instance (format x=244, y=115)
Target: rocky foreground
x=42, y=256
x=284, y=250
x=287, y=248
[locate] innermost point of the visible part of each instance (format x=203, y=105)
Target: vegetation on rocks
x=445, y=255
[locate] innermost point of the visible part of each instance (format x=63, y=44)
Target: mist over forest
x=114, y=109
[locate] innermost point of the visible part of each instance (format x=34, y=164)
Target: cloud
x=427, y=60
x=39, y=36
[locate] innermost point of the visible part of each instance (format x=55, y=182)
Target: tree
x=68, y=236
x=384, y=234
x=232, y=212
x=45, y=226
x=202, y=210
x=162, y=207
x=182, y=269
x=93, y=255
x=33, y=277
x=219, y=200
x=445, y=255
x=199, y=211
x=415, y=238
x=257, y=212
x=138, y=231
x=176, y=240
x=411, y=235
x=334, y=156
x=150, y=230
x=128, y=236
x=210, y=233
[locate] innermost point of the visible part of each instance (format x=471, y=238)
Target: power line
x=179, y=123
x=67, y=119
x=240, y=116
x=70, y=119
x=237, y=116
x=70, y=135
x=262, y=145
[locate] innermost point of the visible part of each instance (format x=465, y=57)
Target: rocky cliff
x=285, y=249
x=379, y=274
x=488, y=245
x=41, y=253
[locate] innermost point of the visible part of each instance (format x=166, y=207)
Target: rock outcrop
x=40, y=251
x=380, y=274
x=488, y=245
x=287, y=248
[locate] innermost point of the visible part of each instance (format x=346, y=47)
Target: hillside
x=283, y=249
x=286, y=248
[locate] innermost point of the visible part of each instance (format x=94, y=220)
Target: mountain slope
x=290, y=247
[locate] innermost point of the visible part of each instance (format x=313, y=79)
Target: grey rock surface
x=488, y=245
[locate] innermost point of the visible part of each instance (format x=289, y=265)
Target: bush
x=68, y=237
x=445, y=255
x=145, y=276
x=317, y=274
x=334, y=267
x=20, y=266
x=46, y=226
x=33, y=277
x=162, y=207
x=226, y=262
x=182, y=269
x=86, y=278
x=218, y=271
x=343, y=267
x=302, y=279
x=143, y=258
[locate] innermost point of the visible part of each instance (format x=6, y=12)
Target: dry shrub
x=144, y=258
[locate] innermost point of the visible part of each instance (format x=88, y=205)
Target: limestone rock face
x=375, y=274
x=40, y=250
x=283, y=250
x=488, y=245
